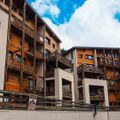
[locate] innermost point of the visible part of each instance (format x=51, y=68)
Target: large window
x=89, y=57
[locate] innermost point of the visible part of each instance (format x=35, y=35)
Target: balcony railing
x=87, y=68
x=67, y=93
x=79, y=82
x=97, y=97
x=19, y=24
x=40, y=39
x=14, y=46
x=28, y=69
x=17, y=65
x=59, y=57
x=50, y=91
x=114, y=87
x=38, y=91
x=14, y=64
x=49, y=73
x=39, y=55
x=100, y=55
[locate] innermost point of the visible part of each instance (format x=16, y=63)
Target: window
x=54, y=46
x=47, y=52
x=89, y=57
x=80, y=55
x=47, y=40
x=18, y=58
x=30, y=84
x=10, y=55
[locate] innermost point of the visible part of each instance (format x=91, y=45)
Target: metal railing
x=67, y=93
x=50, y=91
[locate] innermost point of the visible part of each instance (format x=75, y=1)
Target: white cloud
x=46, y=6
x=93, y=24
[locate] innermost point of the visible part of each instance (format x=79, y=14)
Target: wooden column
x=104, y=65
x=34, y=64
x=44, y=62
x=56, y=56
x=22, y=47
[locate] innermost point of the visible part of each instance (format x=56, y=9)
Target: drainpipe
x=95, y=59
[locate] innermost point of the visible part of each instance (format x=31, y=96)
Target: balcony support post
x=104, y=64
x=22, y=47
x=56, y=55
x=34, y=64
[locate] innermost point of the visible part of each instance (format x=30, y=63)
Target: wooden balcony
x=67, y=93
x=97, y=97
x=100, y=55
x=117, y=65
x=62, y=61
x=28, y=69
x=39, y=55
x=40, y=39
x=30, y=51
x=19, y=24
x=38, y=91
x=89, y=69
x=114, y=87
x=13, y=64
x=101, y=63
x=49, y=74
x=108, y=64
x=14, y=47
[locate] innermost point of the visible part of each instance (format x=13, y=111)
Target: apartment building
x=97, y=74
x=28, y=50
x=22, y=47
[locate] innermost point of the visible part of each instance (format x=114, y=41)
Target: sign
x=32, y=102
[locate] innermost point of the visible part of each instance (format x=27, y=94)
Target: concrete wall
x=59, y=75
x=96, y=82
x=57, y=115
x=3, y=42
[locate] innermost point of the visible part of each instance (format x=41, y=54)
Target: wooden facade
x=99, y=63
x=25, y=56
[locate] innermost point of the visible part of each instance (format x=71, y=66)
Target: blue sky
x=82, y=22
x=67, y=8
